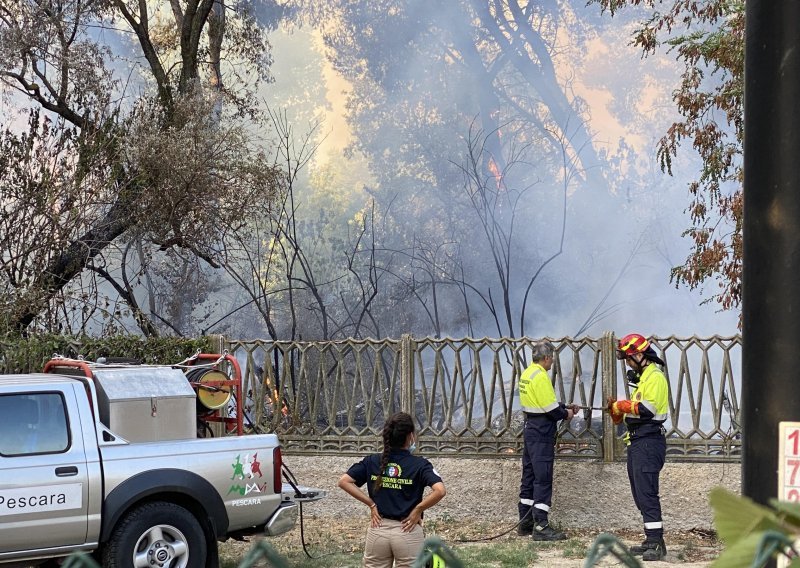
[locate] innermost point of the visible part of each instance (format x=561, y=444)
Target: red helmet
x=632, y=344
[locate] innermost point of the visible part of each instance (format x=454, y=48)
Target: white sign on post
x=788, y=470
x=789, y=462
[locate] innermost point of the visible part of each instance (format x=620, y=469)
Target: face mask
x=412, y=447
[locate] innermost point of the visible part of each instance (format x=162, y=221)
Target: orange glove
x=626, y=407
x=613, y=408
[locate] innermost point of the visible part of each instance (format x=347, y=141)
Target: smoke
x=515, y=192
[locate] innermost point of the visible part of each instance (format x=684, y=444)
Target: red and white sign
x=789, y=462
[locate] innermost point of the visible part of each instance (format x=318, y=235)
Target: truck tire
x=156, y=535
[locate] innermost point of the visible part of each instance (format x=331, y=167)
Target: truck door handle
x=66, y=471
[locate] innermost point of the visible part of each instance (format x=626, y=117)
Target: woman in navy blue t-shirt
x=396, y=480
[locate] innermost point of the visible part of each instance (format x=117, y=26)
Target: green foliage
x=29, y=354
x=263, y=551
x=608, y=545
x=434, y=550
x=80, y=560
x=753, y=533
x=707, y=37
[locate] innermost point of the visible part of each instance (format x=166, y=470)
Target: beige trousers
x=389, y=546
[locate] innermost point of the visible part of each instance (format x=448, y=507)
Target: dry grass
x=341, y=542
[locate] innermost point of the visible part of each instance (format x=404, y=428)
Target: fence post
x=608, y=356
x=407, y=346
x=217, y=342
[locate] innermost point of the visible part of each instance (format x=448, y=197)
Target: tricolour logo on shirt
x=393, y=470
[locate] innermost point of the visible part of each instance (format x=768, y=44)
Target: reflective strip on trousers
x=657, y=525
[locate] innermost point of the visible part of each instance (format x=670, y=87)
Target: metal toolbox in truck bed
x=146, y=404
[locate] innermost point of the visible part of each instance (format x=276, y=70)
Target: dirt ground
x=586, y=494
x=589, y=498
x=687, y=549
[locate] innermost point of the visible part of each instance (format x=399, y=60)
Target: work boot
x=525, y=527
x=647, y=544
x=657, y=552
x=544, y=532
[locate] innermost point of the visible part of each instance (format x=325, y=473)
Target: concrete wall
x=586, y=494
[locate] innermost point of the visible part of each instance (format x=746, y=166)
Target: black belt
x=632, y=428
x=532, y=415
x=392, y=517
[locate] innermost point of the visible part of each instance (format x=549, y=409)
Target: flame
x=498, y=176
x=276, y=399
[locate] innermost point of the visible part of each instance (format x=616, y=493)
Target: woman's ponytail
x=395, y=433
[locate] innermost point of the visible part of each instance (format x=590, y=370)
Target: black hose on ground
x=486, y=538
x=292, y=480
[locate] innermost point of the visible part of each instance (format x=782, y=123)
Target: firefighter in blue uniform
x=542, y=414
x=644, y=415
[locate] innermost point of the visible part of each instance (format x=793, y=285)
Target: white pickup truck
x=111, y=464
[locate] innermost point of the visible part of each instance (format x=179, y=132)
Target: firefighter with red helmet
x=644, y=416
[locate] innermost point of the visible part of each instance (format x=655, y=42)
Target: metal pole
x=771, y=261
x=609, y=388
x=407, y=346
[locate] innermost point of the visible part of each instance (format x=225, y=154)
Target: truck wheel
x=156, y=535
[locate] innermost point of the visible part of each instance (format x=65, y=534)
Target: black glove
x=633, y=377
